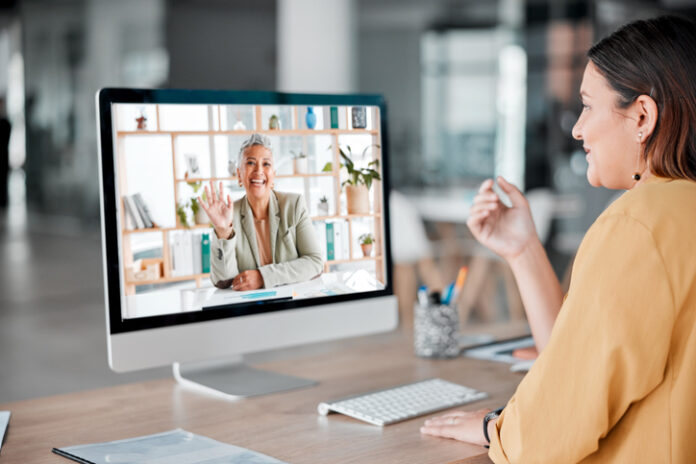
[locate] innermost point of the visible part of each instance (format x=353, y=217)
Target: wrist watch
x=487, y=418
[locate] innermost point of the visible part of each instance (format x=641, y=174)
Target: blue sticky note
x=256, y=296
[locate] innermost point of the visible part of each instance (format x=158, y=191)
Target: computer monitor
x=169, y=280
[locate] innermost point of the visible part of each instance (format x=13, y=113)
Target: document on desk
x=4, y=423
x=173, y=447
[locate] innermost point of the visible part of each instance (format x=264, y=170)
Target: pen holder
x=435, y=330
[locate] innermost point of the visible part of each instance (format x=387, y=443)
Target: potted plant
x=359, y=180
x=323, y=206
x=366, y=242
x=299, y=162
x=197, y=212
x=182, y=211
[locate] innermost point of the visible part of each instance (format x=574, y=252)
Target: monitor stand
x=233, y=379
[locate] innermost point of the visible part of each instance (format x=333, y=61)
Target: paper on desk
x=173, y=447
x=4, y=422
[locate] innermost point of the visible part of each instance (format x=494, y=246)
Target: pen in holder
x=435, y=329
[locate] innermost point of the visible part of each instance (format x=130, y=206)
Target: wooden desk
x=284, y=425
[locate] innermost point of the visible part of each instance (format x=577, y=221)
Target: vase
x=359, y=117
x=274, y=122
x=366, y=249
x=201, y=218
x=299, y=165
x=310, y=118
x=323, y=209
x=357, y=200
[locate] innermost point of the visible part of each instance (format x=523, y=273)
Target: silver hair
x=255, y=139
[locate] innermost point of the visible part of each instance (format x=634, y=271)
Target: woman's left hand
x=247, y=280
x=460, y=425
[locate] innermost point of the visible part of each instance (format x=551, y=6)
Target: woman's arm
x=540, y=290
x=309, y=262
x=223, y=257
x=510, y=232
x=223, y=260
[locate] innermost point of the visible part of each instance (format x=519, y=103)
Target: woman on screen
x=615, y=378
x=265, y=238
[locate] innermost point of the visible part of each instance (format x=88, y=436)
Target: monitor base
x=235, y=380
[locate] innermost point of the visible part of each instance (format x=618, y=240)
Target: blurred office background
x=474, y=89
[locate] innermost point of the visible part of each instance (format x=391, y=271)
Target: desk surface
x=283, y=425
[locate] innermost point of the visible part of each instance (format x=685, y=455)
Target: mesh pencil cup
x=435, y=331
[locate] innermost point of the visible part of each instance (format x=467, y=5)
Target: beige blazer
x=295, y=250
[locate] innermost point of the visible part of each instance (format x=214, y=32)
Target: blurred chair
x=411, y=255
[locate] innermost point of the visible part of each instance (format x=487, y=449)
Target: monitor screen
x=296, y=184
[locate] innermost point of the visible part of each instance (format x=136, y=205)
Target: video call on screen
x=165, y=155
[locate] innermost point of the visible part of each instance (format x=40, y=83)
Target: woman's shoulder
x=657, y=202
x=287, y=199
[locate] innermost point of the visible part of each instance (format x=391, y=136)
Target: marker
x=448, y=294
x=461, y=278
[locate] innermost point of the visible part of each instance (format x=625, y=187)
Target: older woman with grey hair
x=276, y=244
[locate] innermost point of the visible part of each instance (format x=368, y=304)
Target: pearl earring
x=640, y=136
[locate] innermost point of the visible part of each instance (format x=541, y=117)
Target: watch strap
x=487, y=418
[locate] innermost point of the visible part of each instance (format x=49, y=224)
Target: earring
x=636, y=176
x=640, y=136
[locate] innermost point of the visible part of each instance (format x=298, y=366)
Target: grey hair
x=255, y=139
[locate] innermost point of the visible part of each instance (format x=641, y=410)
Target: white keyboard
x=384, y=407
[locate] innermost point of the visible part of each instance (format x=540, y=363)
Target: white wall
x=316, y=46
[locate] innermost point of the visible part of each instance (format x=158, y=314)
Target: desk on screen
x=181, y=300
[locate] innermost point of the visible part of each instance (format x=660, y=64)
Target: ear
x=646, y=115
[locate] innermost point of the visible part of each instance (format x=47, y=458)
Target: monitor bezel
x=110, y=233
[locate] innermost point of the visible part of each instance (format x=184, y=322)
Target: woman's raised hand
x=506, y=231
x=219, y=212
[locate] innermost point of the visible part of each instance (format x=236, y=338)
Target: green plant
x=323, y=199
x=181, y=211
x=366, y=239
x=356, y=176
x=298, y=155
x=192, y=204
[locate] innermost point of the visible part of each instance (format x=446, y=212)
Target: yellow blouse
x=617, y=381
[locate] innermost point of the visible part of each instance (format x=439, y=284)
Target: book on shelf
x=329, y=233
x=137, y=213
x=197, y=253
x=190, y=253
x=143, y=210
x=129, y=218
x=205, y=253
x=337, y=239
x=132, y=212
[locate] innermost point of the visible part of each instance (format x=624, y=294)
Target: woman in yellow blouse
x=616, y=377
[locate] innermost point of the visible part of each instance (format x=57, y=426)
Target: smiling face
x=608, y=133
x=257, y=172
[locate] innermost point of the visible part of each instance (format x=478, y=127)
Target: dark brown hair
x=657, y=57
